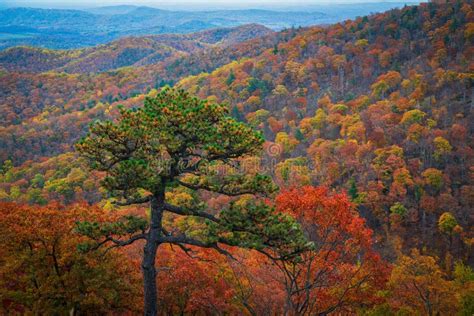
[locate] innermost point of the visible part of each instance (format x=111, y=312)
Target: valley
x=366, y=135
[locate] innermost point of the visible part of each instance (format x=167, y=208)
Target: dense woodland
x=365, y=128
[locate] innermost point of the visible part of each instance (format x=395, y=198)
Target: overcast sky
x=178, y=3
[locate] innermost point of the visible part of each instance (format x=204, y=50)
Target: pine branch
x=185, y=240
x=133, y=201
x=181, y=211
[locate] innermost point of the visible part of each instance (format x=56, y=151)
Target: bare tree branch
x=117, y=242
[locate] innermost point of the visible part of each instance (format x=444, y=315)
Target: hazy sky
x=178, y=3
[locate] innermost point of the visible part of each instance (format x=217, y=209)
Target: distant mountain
x=127, y=51
x=65, y=29
x=111, y=10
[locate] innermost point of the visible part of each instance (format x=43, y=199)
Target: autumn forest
x=317, y=170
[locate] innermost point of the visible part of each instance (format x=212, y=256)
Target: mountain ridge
x=66, y=29
x=63, y=29
x=128, y=51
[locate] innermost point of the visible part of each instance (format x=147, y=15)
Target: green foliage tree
x=275, y=49
x=442, y=147
x=446, y=223
x=413, y=116
x=237, y=114
x=230, y=78
x=15, y=192
x=353, y=192
x=399, y=209
x=299, y=135
x=38, y=181
x=176, y=140
x=464, y=279
x=6, y=166
x=434, y=178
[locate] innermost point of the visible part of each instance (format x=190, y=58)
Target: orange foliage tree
x=342, y=271
x=43, y=272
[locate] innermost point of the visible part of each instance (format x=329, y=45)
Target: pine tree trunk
x=149, y=279
x=149, y=256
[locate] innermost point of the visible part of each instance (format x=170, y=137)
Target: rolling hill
x=66, y=29
x=128, y=51
x=60, y=29
x=379, y=106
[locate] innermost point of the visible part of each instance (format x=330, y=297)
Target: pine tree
x=179, y=141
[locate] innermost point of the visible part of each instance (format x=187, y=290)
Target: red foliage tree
x=342, y=271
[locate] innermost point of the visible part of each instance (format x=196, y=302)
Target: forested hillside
x=129, y=51
x=368, y=134
x=381, y=107
x=58, y=106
